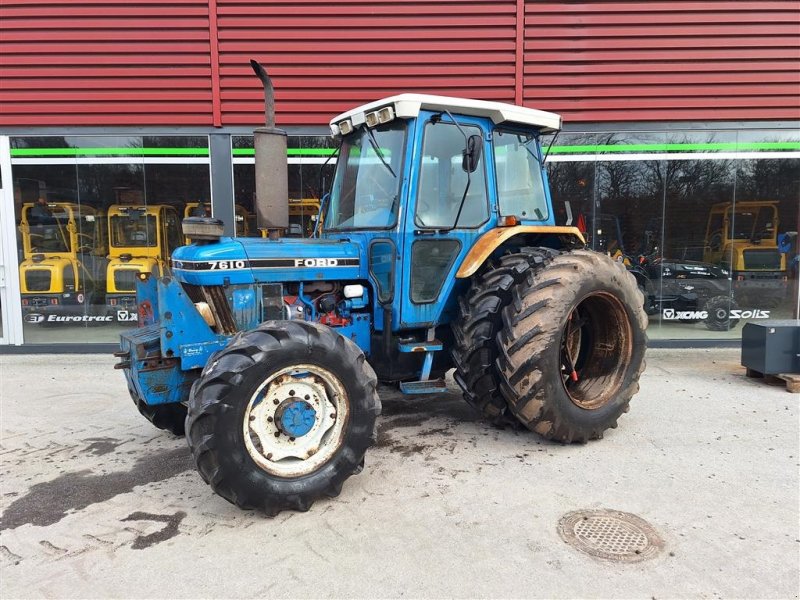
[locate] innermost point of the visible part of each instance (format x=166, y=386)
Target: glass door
x=10, y=311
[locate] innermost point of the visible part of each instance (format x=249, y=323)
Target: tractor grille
x=214, y=296
x=762, y=259
x=125, y=280
x=38, y=280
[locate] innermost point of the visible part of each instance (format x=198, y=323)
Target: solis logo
x=749, y=314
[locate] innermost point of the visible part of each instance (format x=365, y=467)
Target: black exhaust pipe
x=272, y=178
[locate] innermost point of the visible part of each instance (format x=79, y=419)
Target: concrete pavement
x=97, y=503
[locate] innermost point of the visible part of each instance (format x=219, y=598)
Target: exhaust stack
x=272, y=179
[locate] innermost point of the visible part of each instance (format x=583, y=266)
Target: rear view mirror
x=472, y=153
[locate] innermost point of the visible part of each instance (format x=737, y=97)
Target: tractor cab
x=426, y=178
x=63, y=254
x=141, y=239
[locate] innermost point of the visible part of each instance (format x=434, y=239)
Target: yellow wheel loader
x=743, y=237
x=64, y=247
x=141, y=239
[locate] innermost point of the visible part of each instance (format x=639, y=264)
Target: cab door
x=449, y=208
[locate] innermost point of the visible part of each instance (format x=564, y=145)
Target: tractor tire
x=572, y=346
x=282, y=416
x=719, y=313
x=478, y=323
x=169, y=417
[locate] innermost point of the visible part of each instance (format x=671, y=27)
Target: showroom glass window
x=87, y=207
x=662, y=202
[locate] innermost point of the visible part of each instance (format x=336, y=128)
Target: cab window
x=520, y=187
x=443, y=181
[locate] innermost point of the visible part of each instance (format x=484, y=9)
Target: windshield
x=752, y=224
x=366, y=189
x=48, y=227
x=137, y=231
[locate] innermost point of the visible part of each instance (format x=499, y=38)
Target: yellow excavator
x=64, y=248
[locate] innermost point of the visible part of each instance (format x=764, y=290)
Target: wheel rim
x=596, y=348
x=295, y=421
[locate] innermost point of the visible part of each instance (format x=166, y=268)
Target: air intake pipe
x=272, y=180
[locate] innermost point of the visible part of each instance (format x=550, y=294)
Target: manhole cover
x=610, y=534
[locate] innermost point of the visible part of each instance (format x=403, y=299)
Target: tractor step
x=431, y=346
x=431, y=386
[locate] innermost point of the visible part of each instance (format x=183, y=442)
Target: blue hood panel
x=256, y=260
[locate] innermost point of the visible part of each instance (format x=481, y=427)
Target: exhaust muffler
x=272, y=177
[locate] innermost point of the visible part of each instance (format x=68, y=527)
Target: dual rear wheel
x=558, y=348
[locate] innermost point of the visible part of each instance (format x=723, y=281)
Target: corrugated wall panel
x=678, y=60
x=166, y=62
x=109, y=62
x=326, y=57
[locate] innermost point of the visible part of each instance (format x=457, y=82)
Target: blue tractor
x=436, y=248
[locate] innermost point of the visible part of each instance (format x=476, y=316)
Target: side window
x=520, y=187
x=443, y=181
x=381, y=267
x=431, y=260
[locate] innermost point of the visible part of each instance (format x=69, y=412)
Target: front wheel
x=572, y=346
x=282, y=416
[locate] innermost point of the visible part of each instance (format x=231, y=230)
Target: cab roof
x=407, y=106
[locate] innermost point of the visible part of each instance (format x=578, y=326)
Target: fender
x=491, y=240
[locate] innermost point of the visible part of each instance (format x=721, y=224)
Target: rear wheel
x=478, y=323
x=572, y=346
x=282, y=416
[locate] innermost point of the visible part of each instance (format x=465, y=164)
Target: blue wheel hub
x=295, y=418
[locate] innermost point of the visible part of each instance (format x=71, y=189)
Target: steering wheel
x=85, y=244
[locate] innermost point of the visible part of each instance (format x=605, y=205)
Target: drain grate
x=610, y=534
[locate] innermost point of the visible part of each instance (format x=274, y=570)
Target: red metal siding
x=105, y=62
x=185, y=62
x=676, y=60
x=326, y=57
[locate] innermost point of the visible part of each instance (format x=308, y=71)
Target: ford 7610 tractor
x=437, y=250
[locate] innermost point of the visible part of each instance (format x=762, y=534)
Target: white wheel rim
x=277, y=452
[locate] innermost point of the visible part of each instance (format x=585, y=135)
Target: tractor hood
x=257, y=260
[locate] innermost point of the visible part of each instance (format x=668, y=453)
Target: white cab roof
x=407, y=106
